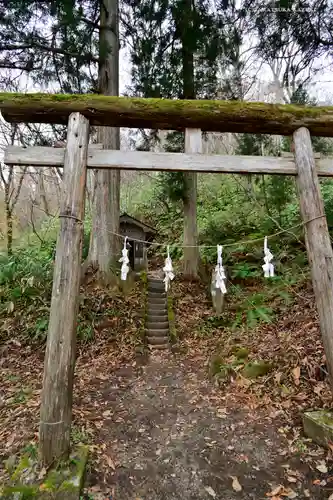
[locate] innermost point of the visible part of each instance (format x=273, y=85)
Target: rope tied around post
x=68, y=216
x=52, y=423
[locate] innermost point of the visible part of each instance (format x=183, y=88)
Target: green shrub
x=245, y=270
x=25, y=277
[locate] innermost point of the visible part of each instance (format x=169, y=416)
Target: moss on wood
x=219, y=116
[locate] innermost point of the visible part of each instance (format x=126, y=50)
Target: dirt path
x=168, y=435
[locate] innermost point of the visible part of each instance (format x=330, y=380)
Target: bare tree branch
x=18, y=188
x=49, y=48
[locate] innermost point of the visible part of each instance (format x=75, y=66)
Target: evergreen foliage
x=54, y=43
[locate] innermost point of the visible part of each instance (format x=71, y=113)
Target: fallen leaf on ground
x=297, y=374
x=281, y=491
x=275, y=492
x=10, y=441
x=110, y=462
x=322, y=467
x=318, y=388
x=42, y=473
x=236, y=484
x=210, y=491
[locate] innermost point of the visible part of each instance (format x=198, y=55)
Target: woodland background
x=208, y=49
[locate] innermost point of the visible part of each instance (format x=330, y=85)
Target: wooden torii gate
x=80, y=111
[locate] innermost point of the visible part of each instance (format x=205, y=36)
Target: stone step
x=155, y=301
x=158, y=332
x=157, y=295
x=157, y=305
x=161, y=346
x=157, y=325
x=156, y=286
x=155, y=280
x=157, y=311
x=152, y=318
x=157, y=340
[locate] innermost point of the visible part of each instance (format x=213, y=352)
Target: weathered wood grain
x=168, y=114
x=139, y=160
x=317, y=238
x=193, y=145
x=56, y=404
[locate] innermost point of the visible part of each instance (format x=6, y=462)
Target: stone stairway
x=157, y=326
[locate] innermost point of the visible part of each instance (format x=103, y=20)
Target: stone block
x=318, y=425
x=64, y=482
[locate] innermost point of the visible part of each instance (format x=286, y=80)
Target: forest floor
x=168, y=434
x=160, y=427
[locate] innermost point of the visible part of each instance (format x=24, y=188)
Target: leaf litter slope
x=172, y=434
x=165, y=429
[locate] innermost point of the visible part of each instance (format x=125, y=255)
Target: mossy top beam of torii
x=214, y=116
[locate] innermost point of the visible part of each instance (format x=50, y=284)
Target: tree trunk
x=42, y=192
x=9, y=222
x=105, y=216
x=192, y=145
x=9, y=215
